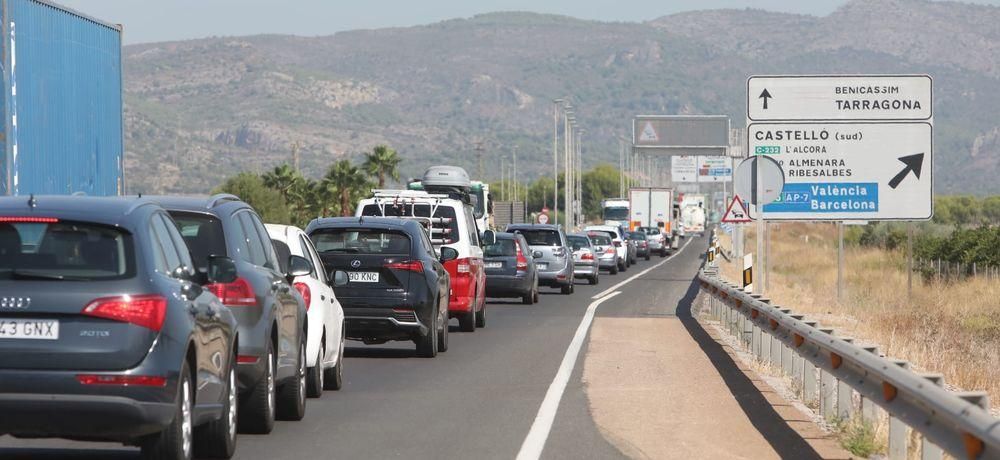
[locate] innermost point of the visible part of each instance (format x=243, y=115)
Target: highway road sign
x=684, y=168
x=736, y=213
x=849, y=171
x=681, y=134
x=771, y=175
x=715, y=169
x=543, y=218
x=833, y=97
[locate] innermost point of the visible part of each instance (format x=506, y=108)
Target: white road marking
x=654, y=267
x=533, y=444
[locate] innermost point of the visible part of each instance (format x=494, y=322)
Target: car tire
x=567, y=289
x=176, y=441
x=647, y=256
x=442, y=338
x=427, y=345
x=314, y=376
x=623, y=268
x=534, y=294
x=257, y=411
x=217, y=439
x=614, y=269
x=529, y=298
x=481, y=317
x=291, y=398
x=593, y=280
x=333, y=378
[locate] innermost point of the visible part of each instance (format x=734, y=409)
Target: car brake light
x=587, y=256
x=27, y=220
x=303, y=289
x=147, y=311
x=463, y=267
x=247, y=359
x=239, y=293
x=522, y=263
x=609, y=251
x=409, y=265
x=122, y=380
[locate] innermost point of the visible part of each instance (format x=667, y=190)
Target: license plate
x=542, y=265
x=494, y=264
x=362, y=277
x=38, y=329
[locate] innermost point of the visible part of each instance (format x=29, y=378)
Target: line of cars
x=172, y=323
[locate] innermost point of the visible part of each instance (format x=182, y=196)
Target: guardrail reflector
x=798, y=340
x=774, y=325
x=974, y=446
x=754, y=313
x=889, y=391
x=836, y=360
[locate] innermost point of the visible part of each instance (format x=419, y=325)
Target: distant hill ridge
x=200, y=110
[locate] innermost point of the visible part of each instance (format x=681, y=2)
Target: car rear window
x=578, y=242
x=636, y=236
x=541, y=237
x=446, y=230
x=502, y=248
x=600, y=240
x=65, y=250
x=360, y=241
x=203, y=235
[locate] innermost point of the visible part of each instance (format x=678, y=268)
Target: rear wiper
x=350, y=250
x=35, y=275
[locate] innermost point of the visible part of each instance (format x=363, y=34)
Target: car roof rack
x=220, y=198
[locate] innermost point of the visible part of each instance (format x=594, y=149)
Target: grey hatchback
x=271, y=362
x=107, y=332
x=553, y=257
x=510, y=269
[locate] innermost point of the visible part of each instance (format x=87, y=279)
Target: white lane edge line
x=534, y=442
x=612, y=288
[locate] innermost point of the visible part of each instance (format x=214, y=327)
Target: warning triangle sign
x=736, y=213
x=648, y=133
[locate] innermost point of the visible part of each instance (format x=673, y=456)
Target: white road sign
x=684, y=169
x=849, y=171
x=830, y=98
x=715, y=169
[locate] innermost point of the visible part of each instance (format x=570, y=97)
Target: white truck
x=651, y=207
x=615, y=211
x=692, y=209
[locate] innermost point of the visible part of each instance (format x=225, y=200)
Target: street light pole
x=555, y=156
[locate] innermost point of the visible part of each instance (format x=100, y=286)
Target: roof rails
x=220, y=198
x=387, y=193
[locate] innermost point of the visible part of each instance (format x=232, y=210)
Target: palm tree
x=282, y=178
x=347, y=183
x=381, y=162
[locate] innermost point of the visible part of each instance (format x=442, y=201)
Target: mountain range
x=199, y=111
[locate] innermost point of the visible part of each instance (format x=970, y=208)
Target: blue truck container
x=62, y=126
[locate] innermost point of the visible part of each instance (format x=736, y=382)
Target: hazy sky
x=160, y=20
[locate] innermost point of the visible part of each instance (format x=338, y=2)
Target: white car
x=617, y=239
x=325, y=337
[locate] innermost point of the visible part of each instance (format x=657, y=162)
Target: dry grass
x=951, y=328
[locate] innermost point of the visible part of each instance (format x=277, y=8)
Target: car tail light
x=303, y=289
x=409, y=265
x=27, y=220
x=609, y=250
x=239, y=293
x=463, y=266
x=522, y=263
x=617, y=244
x=247, y=359
x=122, y=380
x=559, y=251
x=587, y=256
x=147, y=311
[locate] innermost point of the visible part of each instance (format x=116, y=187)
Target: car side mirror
x=184, y=273
x=489, y=238
x=339, y=278
x=221, y=270
x=537, y=254
x=298, y=266
x=448, y=254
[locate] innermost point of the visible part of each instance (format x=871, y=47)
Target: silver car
x=550, y=249
x=603, y=247
x=584, y=258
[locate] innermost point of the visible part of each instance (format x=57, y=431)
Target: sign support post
x=840, y=261
x=909, y=261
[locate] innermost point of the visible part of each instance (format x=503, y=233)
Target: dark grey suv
x=271, y=363
x=553, y=256
x=106, y=330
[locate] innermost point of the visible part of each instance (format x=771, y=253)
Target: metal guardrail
x=833, y=370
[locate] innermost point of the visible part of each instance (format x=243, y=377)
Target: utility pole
x=515, y=181
x=555, y=156
x=295, y=156
x=479, y=154
x=503, y=189
x=568, y=140
x=579, y=179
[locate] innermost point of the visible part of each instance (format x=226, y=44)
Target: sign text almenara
x=851, y=147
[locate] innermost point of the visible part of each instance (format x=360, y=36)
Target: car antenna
x=32, y=203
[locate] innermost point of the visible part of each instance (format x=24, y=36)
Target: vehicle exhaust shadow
x=379, y=352
x=785, y=441
x=18, y=453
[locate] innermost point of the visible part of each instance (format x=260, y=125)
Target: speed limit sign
x=543, y=218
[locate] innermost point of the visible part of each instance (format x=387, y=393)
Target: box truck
x=61, y=104
x=651, y=207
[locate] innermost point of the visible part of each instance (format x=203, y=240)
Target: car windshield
x=502, y=248
x=616, y=213
x=203, y=234
x=61, y=250
x=600, y=240
x=578, y=242
x=540, y=237
x=360, y=241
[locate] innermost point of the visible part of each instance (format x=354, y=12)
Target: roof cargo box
x=450, y=177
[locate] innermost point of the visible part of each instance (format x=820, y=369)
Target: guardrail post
x=845, y=395
x=869, y=411
x=798, y=368
x=898, y=431
x=788, y=355
x=827, y=389
x=928, y=450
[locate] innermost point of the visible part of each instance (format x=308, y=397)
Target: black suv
x=396, y=287
x=271, y=363
x=106, y=330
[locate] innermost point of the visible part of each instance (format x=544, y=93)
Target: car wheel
x=333, y=378
x=314, y=376
x=593, y=280
x=623, y=267
x=257, y=412
x=614, y=269
x=427, y=345
x=481, y=316
x=176, y=440
x=443, y=338
x=567, y=289
x=292, y=395
x=647, y=256
x=534, y=294
x=217, y=439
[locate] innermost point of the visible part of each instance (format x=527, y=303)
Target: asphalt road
x=478, y=400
